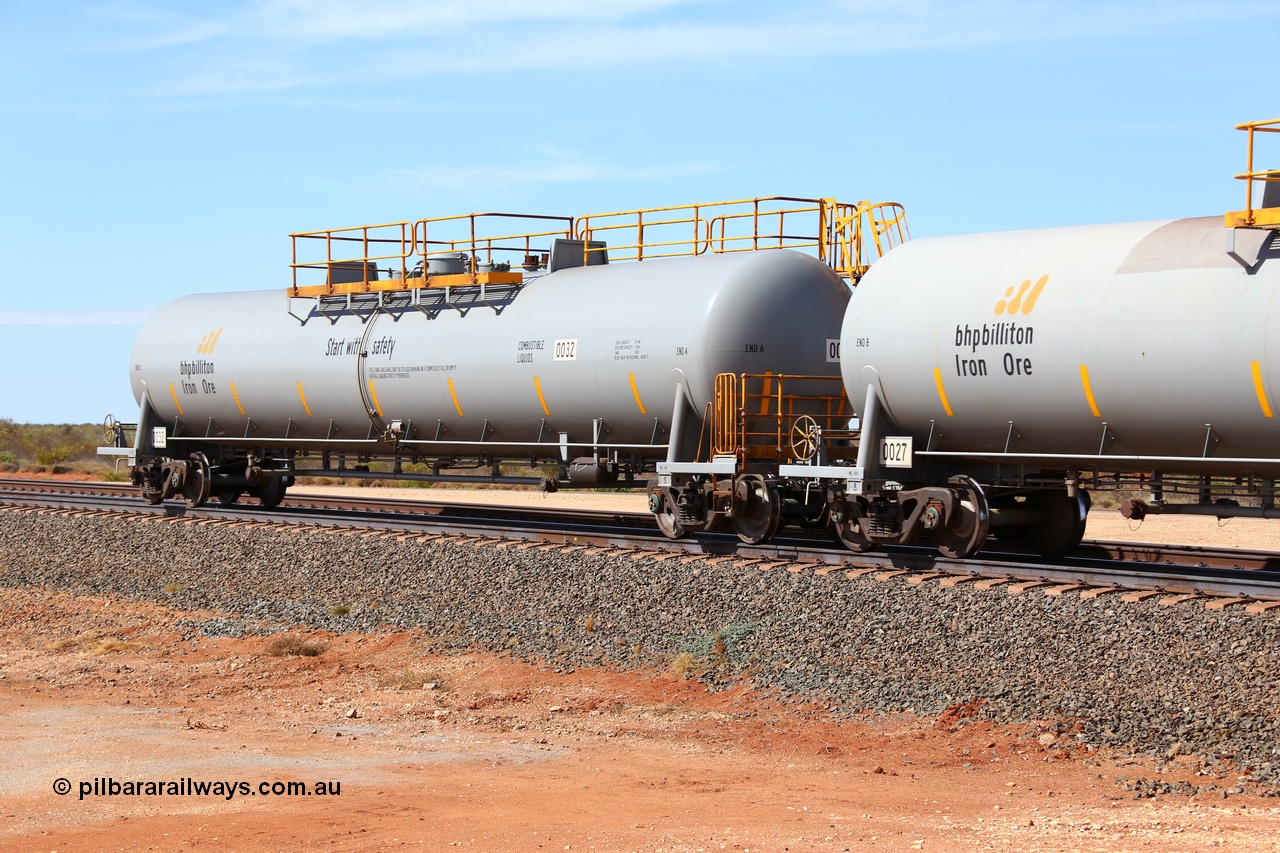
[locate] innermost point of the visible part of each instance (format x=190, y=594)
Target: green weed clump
x=712, y=649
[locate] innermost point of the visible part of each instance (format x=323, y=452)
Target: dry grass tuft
x=340, y=610
x=410, y=679
x=171, y=588
x=93, y=642
x=684, y=664
x=590, y=624
x=290, y=645
x=70, y=644
x=111, y=644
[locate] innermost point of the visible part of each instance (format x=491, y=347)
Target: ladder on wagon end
x=1265, y=216
x=780, y=419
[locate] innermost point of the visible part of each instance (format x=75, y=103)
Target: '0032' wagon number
x=566, y=349
x=895, y=451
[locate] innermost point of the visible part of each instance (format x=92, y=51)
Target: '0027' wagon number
x=566, y=349
x=895, y=451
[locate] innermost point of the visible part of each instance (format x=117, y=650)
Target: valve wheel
x=806, y=436
x=109, y=429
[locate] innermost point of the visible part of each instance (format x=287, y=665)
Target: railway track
x=1219, y=578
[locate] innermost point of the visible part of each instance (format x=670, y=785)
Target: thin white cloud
x=490, y=180
x=391, y=19
x=246, y=75
x=276, y=45
x=72, y=318
x=149, y=26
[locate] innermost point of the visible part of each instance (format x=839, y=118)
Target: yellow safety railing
x=527, y=249
x=866, y=232
x=1251, y=217
x=392, y=242
x=848, y=237
x=475, y=248
x=763, y=415
x=480, y=248
x=722, y=226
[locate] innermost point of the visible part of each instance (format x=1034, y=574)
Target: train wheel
x=271, y=492
x=669, y=526
x=155, y=497
x=849, y=534
x=970, y=522
x=1063, y=526
x=229, y=497
x=845, y=527
x=760, y=512
x=195, y=491
x=664, y=513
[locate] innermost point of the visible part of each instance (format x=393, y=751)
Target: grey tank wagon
x=589, y=348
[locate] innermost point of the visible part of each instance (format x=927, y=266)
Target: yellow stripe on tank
x=942, y=392
x=236, y=397
x=1088, y=390
x=174, y=392
x=373, y=395
x=303, y=398
x=454, y=395
x=1260, y=390
x=636, y=393
x=538, y=387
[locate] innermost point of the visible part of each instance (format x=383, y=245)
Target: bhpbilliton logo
x=209, y=341
x=1021, y=302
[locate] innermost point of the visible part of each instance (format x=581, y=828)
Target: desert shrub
x=54, y=455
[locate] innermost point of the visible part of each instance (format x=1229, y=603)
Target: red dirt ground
x=504, y=755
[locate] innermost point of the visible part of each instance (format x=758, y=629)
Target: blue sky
x=152, y=149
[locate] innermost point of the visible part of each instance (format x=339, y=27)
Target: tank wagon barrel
x=999, y=377
x=421, y=349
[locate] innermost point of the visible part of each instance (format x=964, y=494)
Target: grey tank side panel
x=627, y=334
x=1148, y=328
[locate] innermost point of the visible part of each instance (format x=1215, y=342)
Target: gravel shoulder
x=598, y=702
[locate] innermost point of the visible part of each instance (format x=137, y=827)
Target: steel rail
x=1188, y=570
